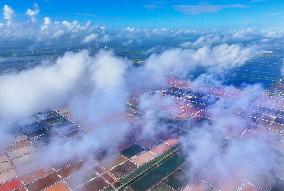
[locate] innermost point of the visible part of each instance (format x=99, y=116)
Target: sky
x=217, y=14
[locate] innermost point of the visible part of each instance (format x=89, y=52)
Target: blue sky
x=219, y=14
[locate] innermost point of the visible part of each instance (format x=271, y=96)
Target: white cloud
x=93, y=87
x=205, y=8
x=210, y=153
x=155, y=107
x=207, y=40
x=73, y=26
x=106, y=38
x=90, y=38
x=57, y=34
x=22, y=94
x=33, y=12
x=53, y=84
x=153, y=5
x=108, y=72
x=103, y=100
x=181, y=61
x=273, y=34
x=242, y=34
x=46, y=23
x=72, y=32
x=96, y=90
x=130, y=29
x=8, y=13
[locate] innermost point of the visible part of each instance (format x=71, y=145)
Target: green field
x=156, y=174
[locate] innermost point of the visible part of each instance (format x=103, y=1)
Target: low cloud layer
x=39, y=88
x=180, y=62
x=96, y=89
